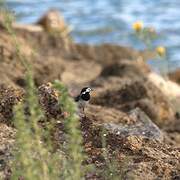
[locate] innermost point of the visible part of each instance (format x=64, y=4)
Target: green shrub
x=72, y=166
x=33, y=157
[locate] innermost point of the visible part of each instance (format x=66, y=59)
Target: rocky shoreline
x=130, y=101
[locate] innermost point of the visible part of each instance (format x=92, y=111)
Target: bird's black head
x=86, y=90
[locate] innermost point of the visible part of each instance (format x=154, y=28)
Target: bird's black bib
x=85, y=97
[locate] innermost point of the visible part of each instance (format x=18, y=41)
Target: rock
x=48, y=98
x=121, y=93
x=8, y=47
x=126, y=94
x=52, y=21
x=129, y=129
x=169, y=88
x=106, y=54
x=143, y=127
x=138, y=154
x=7, y=136
x=175, y=76
x=28, y=27
x=126, y=68
x=75, y=75
x=101, y=114
x=9, y=97
x=48, y=71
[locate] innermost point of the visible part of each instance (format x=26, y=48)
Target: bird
x=83, y=98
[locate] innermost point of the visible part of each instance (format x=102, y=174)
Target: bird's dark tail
x=77, y=98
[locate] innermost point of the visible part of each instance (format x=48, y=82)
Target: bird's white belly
x=82, y=104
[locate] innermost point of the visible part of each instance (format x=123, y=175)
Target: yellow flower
x=161, y=51
x=138, y=26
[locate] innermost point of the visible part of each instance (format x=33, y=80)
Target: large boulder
x=127, y=94
x=52, y=21
x=142, y=127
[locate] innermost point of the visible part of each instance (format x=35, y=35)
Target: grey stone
x=142, y=127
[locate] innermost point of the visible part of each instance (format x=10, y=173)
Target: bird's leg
x=84, y=111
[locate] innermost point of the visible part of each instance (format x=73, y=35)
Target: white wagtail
x=83, y=98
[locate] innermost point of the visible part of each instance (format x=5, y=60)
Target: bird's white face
x=88, y=90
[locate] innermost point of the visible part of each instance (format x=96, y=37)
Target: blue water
x=109, y=21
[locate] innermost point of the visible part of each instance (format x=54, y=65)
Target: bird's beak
x=92, y=92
